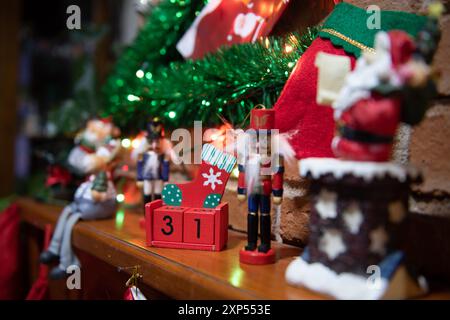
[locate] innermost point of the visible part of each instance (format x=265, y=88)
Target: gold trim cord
x=349, y=40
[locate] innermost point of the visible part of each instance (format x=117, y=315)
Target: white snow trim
x=318, y=167
x=218, y=158
x=344, y=286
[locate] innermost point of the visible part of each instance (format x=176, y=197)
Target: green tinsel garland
x=229, y=82
x=150, y=80
x=153, y=48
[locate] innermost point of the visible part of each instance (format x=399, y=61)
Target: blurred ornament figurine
x=94, y=199
x=360, y=201
x=153, y=161
x=261, y=170
x=93, y=146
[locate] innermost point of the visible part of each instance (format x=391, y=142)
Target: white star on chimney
x=332, y=244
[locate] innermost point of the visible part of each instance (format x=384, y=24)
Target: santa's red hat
x=106, y=120
x=402, y=47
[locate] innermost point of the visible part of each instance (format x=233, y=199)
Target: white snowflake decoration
x=212, y=178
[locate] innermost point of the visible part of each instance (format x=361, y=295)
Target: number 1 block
x=168, y=224
x=198, y=226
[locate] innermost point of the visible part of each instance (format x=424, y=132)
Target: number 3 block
x=198, y=226
x=168, y=224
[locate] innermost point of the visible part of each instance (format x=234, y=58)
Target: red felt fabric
x=296, y=108
x=39, y=290
x=9, y=253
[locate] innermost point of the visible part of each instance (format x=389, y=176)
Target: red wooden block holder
x=201, y=228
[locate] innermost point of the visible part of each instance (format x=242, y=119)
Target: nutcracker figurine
x=260, y=174
x=153, y=156
x=359, y=202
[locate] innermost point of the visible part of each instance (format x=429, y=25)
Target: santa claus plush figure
x=93, y=146
x=374, y=98
x=94, y=155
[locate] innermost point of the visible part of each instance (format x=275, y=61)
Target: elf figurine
x=94, y=199
x=260, y=175
x=153, y=156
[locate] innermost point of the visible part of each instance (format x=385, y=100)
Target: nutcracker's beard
x=253, y=171
x=152, y=164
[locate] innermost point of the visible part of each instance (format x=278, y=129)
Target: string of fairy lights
x=151, y=79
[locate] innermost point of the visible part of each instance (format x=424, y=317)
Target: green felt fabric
x=351, y=21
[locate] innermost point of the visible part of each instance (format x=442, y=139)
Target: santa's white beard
x=91, y=138
x=370, y=71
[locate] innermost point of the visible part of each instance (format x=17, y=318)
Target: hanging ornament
x=133, y=292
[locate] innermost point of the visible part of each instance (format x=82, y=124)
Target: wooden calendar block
x=198, y=226
x=168, y=224
x=186, y=228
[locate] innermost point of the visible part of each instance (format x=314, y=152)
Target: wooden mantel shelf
x=179, y=274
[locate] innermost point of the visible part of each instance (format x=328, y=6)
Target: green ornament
x=172, y=195
x=211, y=201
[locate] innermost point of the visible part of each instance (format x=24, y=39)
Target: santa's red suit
x=366, y=119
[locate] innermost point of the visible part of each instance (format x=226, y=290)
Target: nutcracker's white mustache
x=252, y=171
x=152, y=164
